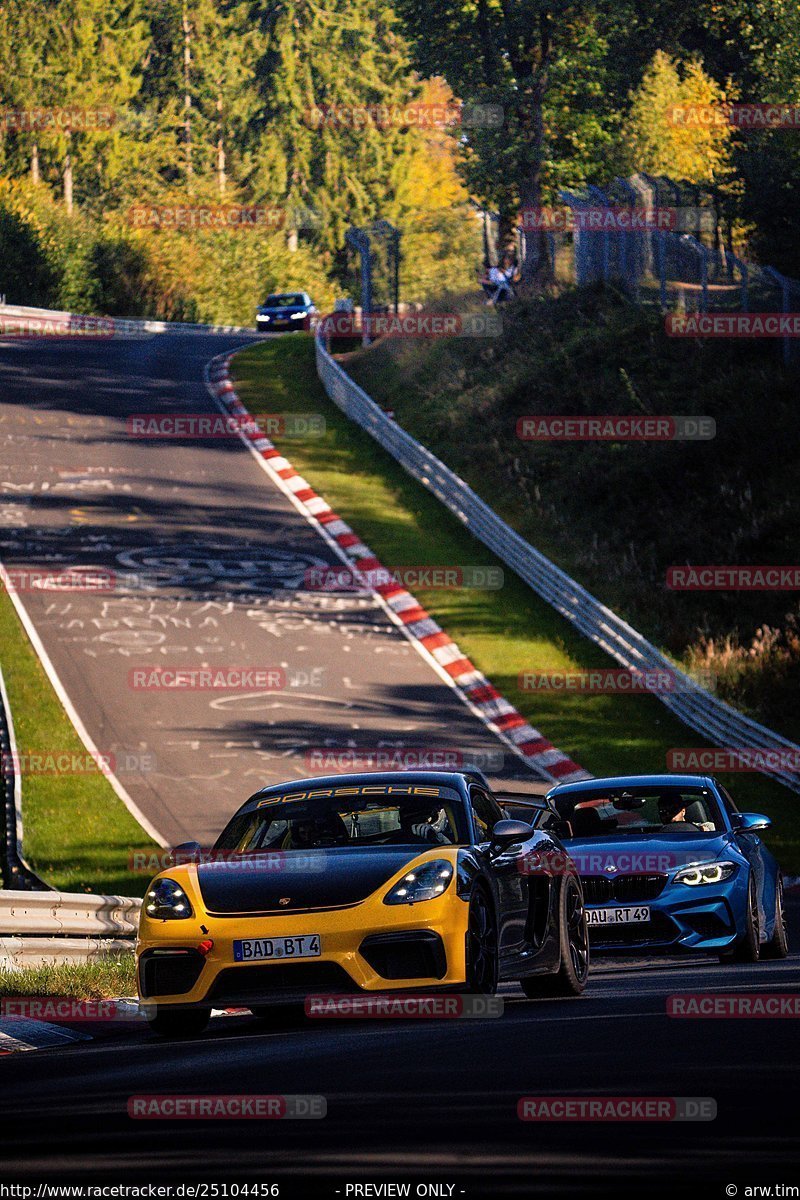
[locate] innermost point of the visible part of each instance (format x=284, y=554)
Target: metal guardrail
x=716, y=721
x=40, y=928
x=27, y=952
x=116, y=325
x=68, y=914
x=14, y=871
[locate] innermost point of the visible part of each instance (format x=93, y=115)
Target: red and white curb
x=436, y=646
x=20, y=1033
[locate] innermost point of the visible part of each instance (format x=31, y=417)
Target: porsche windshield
x=667, y=810
x=405, y=819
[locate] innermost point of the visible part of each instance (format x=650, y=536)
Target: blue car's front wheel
x=747, y=946
x=778, y=944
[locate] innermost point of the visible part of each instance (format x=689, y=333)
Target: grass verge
x=78, y=835
x=108, y=978
x=618, y=515
x=505, y=632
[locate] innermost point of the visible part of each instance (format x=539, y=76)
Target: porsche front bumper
x=365, y=947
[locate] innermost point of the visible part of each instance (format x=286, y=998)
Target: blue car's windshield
x=293, y=300
x=606, y=812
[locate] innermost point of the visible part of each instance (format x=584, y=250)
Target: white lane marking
x=72, y=712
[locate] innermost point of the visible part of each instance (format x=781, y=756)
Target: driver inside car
x=310, y=833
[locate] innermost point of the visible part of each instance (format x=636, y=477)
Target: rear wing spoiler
x=523, y=804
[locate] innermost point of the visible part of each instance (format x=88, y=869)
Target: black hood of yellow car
x=329, y=878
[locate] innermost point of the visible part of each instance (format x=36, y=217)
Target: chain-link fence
x=672, y=244
x=377, y=249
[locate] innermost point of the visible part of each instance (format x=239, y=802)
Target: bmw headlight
x=167, y=901
x=423, y=883
x=298, y=316
x=715, y=872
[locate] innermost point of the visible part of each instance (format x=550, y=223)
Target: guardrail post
x=359, y=240
x=704, y=279
x=785, y=285
x=787, y=344
x=662, y=268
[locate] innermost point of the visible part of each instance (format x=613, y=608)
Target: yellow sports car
x=360, y=884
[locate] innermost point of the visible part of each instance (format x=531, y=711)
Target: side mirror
x=186, y=852
x=510, y=833
x=750, y=822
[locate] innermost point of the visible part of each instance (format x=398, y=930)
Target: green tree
x=350, y=57
x=522, y=58
x=92, y=62
x=25, y=29
x=757, y=43
x=662, y=135
x=223, y=52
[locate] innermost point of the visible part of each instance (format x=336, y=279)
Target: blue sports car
x=668, y=863
x=289, y=311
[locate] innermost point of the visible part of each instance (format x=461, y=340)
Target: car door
x=510, y=880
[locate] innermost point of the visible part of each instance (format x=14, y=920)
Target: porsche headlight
x=715, y=872
x=423, y=883
x=167, y=901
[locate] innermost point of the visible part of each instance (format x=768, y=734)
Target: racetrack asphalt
x=436, y=1099
x=208, y=563
x=425, y=1100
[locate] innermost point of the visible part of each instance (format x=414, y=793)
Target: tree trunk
x=187, y=95
x=221, y=162
x=36, y=176
x=536, y=270
x=67, y=177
